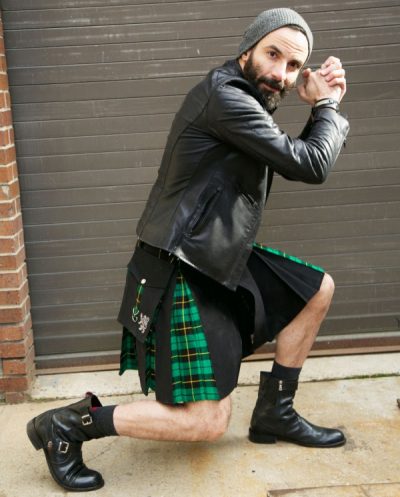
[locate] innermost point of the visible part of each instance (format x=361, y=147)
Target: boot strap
x=63, y=447
x=87, y=419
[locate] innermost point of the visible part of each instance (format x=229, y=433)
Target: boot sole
x=33, y=435
x=38, y=444
x=269, y=438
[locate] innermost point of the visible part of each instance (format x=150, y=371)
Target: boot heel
x=262, y=438
x=33, y=436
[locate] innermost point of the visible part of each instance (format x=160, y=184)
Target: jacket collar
x=233, y=67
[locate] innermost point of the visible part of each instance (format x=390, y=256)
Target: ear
x=245, y=55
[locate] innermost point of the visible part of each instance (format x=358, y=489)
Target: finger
x=337, y=81
x=331, y=68
x=341, y=85
x=306, y=73
x=337, y=73
x=301, y=90
x=331, y=61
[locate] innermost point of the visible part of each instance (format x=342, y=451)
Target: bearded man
x=200, y=293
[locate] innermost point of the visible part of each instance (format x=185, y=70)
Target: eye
x=272, y=53
x=294, y=65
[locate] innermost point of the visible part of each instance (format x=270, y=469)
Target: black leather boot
x=60, y=433
x=274, y=418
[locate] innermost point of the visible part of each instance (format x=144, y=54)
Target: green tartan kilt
x=191, y=368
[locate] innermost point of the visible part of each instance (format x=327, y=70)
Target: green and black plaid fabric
x=192, y=372
x=128, y=359
x=287, y=256
x=191, y=367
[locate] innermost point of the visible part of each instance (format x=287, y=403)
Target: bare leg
x=194, y=421
x=294, y=342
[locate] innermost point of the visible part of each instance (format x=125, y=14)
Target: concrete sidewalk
x=367, y=466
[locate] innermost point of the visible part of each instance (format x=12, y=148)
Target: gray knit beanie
x=269, y=21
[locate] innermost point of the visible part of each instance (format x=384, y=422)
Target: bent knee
x=219, y=424
x=210, y=423
x=322, y=299
x=327, y=286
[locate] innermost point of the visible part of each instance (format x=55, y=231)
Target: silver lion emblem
x=143, y=322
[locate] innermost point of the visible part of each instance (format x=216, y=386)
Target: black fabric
x=146, y=280
x=284, y=373
x=103, y=420
x=285, y=287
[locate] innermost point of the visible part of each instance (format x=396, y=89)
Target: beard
x=271, y=99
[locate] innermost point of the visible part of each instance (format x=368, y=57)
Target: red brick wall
x=16, y=339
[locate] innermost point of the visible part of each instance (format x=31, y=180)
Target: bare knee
x=327, y=286
x=210, y=419
x=326, y=291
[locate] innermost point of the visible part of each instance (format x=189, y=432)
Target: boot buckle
x=63, y=447
x=87, y=419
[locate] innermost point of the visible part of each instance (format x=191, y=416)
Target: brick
x=14, y=296
x=9, y=191
x=13, y=279
x=6, y=136
x=11, y=226
x=3, y=82
x=3, y=63
x=11, y=244
x=5, y=118
x=8, y=173
x=7, y=155
x=19, y=366
x=14, y=332
x=16, y=397
x=14, y=384
x=14, y=314
x=15, y=350
x=12, y=261
x=3, y=98
x=9, y=209
x=8, y=245
x=20, y=234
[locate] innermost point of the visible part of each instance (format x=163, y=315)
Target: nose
x=279, y=71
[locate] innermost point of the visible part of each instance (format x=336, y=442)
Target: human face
x=273, y=65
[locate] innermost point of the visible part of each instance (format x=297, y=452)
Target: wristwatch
x=327, y=103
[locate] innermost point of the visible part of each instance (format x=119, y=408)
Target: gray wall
x=95, y=84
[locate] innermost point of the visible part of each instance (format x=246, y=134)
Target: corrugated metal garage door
x=95, y=84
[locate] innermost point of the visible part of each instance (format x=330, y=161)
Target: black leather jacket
x=206, y=204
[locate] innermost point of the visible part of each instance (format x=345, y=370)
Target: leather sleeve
x=236, y=117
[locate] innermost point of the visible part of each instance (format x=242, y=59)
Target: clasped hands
x=329, y=81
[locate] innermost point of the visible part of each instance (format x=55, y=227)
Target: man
x=200, y=294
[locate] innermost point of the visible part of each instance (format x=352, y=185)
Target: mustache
x=271, y=83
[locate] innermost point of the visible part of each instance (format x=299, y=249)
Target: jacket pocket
x=220, y=239
x=146, y=282
x=204, y=208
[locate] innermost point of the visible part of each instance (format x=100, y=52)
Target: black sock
x=284, y=373
x=103, y=420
